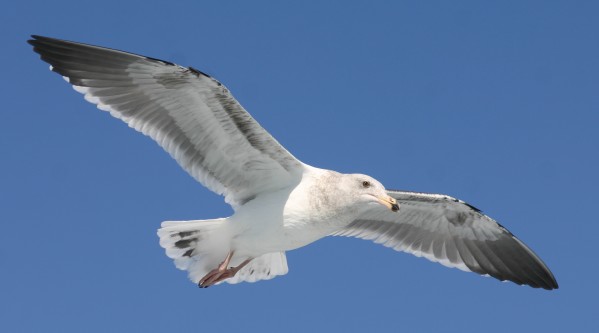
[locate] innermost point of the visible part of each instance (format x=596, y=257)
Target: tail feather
x=194, y=245
x=200, y=246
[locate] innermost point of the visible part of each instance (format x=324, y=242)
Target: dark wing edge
x=449, y=231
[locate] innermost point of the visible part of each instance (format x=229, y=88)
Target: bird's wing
x=449, y=231
x=191, y=115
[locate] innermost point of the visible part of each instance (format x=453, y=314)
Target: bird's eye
x=366, y=184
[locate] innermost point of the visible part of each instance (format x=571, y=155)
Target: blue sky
x=494, y=103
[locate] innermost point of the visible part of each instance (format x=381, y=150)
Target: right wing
x=449, y=231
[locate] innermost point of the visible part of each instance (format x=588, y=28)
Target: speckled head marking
x=323, y=197
x=338, y=194
x=370, y=191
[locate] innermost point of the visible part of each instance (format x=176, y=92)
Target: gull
x=280, y=203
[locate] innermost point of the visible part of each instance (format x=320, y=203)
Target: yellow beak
x=390, y=203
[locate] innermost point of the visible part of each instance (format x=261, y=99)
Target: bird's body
x=277, y=221
x=273, y=222
x=280, y=203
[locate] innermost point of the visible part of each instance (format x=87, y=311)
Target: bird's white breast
x=284, y=220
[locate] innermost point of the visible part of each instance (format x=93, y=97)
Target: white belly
x=279, y=221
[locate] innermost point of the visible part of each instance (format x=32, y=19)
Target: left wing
x=190, y=114
x=449, y=231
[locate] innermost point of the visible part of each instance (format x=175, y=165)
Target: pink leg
x=210, y=278
x=221, y=272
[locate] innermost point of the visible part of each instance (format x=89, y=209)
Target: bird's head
x=370, y=191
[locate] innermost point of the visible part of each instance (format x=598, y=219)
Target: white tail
x=196, y=246
x=200, y=246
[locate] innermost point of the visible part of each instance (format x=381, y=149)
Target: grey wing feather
x=449, y=231
x=191, y=115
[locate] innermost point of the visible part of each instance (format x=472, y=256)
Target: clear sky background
x=495, y=103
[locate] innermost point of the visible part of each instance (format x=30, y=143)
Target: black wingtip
x=39, y=41
x=553, y=283
x=33, y=40
x=38, y=38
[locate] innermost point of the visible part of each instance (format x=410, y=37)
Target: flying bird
x=280, y=204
